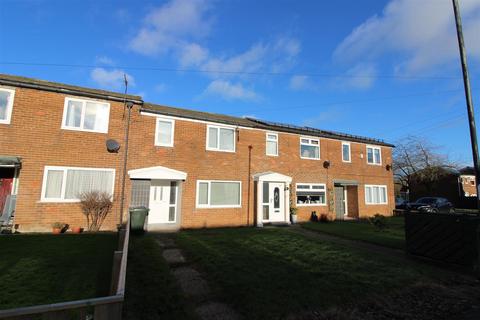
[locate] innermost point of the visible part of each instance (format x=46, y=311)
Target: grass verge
x=273, y=273
x=392, y=236
x=41, y=269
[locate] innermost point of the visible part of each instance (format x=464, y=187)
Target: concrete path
x=193, y=284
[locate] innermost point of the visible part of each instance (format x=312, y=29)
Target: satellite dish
x=112, y=146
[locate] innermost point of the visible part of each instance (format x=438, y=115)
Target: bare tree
x=417, y=161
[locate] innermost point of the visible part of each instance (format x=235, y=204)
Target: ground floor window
x=218, y=194
x=375, y=194
x=311, y=194
x=66, y=184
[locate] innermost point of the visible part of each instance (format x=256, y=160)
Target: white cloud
x=104, y=60
x=361, y=76
x=192, y=54
x=230, y=91
x=171, y=25
x=299, y=82
x=421, y=33
x=327, y=116
x=161, y=87
x=111, y=79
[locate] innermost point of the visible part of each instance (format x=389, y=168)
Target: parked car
x=432, y=204
x=400, y=203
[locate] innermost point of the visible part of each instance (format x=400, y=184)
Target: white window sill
x=82, y=130
x=218, y=150
x=272, y=155
x=374, y=164
x=376, y=204
x=218, y=207
x=311, y=204
x=309, y=158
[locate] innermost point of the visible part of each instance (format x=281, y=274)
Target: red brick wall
x=35, y=135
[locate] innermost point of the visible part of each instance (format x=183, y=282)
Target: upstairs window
x=220, y=139
x=6, y=105
x=272, y=144
x=346, y=152
x=374, y=155
x=309, y=148
x=164, y=132
x=86, y=115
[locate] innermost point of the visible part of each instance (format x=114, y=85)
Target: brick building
x=192, y=169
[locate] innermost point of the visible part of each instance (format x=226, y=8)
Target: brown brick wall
x=35, y=135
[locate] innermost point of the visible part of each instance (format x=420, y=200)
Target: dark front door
x=6, y=182
x=339, y=202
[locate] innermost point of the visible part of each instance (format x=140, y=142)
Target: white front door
x=277, y=201
x=162, y=202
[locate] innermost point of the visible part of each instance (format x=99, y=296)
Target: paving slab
x=216, y=311
x=191, y=282
x=166, y=243
x=173, y=256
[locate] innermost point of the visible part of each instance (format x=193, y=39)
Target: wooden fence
x=448, y=238
x=101, y=308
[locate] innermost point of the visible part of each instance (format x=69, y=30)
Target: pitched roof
x=6, y=79
x=256, y=123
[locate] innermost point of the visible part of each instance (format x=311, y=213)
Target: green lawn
x=151, y=290
x=273, y=273
x=40, y=269
x=392, y=236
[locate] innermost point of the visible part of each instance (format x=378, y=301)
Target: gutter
x=69, y=91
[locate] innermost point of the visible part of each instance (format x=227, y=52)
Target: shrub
x=293, y=210
x=58, y=225
x=378, y=221
x=95, y=206
x=323, y=218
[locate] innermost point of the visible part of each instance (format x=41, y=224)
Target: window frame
x=373, y=153
x=9, y=109
x=379, y=186
x=82, y=116
x=310, y=189
x=346, y=143
x=172, y=132
x=310, y=144
x=217, y=149
x=65, y=170
x=209, y=205
x=270, y=140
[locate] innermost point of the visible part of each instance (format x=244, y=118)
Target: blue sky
x=384, y=69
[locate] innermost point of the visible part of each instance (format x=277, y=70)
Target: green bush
x=378, y=221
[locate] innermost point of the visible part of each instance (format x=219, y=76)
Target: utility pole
x=129, y=106
x=468, y=96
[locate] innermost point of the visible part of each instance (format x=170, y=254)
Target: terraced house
x=192, y=169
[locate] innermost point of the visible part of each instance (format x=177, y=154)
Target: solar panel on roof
x=313, y=130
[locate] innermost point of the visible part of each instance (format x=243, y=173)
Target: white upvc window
x=375, y=194
x=271, y=144
x=309, y=148
x=311, y=194
x=6, y=105
x=219, y=194
x=66, y=184
x=346, y=152
x=86, y=115
x=164, y=132
x=220, y=138
x=374, y=155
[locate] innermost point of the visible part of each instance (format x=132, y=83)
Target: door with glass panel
x=162, y=203
x=276, y=202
